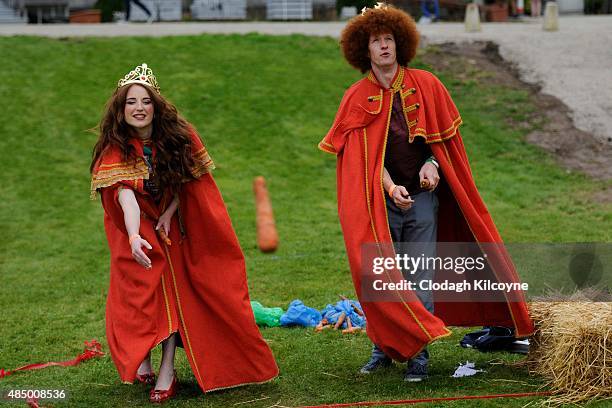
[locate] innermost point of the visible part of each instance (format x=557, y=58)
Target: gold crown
x=143, y=75
x=379, y=5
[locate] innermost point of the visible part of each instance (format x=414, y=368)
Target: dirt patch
x=603, y=196
x=549, y=126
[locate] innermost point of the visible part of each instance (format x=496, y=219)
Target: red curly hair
x=355, y=37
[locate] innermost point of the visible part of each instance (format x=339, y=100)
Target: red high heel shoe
x=148, y=379
x=159, y=396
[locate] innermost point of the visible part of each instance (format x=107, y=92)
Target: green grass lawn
x=261, y=104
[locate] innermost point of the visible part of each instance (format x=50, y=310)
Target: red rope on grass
x=92, y=349
x=421, y=400
x=32, y=403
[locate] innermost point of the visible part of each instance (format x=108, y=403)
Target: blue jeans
x=418, y=224
x=139, y=4
x=425, y=9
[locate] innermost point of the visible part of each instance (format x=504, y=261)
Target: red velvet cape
x=197, y=285
x=358, y=138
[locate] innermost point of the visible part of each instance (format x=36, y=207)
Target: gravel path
x=573, y=64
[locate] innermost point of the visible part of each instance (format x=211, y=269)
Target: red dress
x=197, y=285
x=358, y=138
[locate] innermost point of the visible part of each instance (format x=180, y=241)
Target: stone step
x=8, y=15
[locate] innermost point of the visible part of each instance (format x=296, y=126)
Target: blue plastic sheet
x=347, y=306
x=299, y=314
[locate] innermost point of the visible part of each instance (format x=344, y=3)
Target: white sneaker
x=150, y=20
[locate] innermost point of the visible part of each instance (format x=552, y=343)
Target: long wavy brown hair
x=171, y=136
x=356, y=36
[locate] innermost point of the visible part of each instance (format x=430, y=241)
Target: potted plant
x=86, y=16
x=496, y=10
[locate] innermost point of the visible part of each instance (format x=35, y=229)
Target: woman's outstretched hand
x=138, y=254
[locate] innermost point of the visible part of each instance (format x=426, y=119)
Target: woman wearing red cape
x=176, y=264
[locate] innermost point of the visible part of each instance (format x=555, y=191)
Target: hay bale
x=572, y=348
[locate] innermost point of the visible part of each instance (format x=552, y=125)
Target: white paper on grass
x=466, y=370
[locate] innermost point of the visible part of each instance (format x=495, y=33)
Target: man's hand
x=137, y=252
x=429, y=176
x=401, y=198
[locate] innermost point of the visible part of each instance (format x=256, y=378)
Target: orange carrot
x=164, y=236
x=357, y=310
x=354, y=329
x=267, y=236
x=323, y=324
x=340, y=320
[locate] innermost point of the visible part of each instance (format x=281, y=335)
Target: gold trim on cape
x=117, y=172
x=181, y=317
x=327, y=148
x=202, y=163
x=384, y=204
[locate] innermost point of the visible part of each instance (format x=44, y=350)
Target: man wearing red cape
x=401, y=167
x=195, y=282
